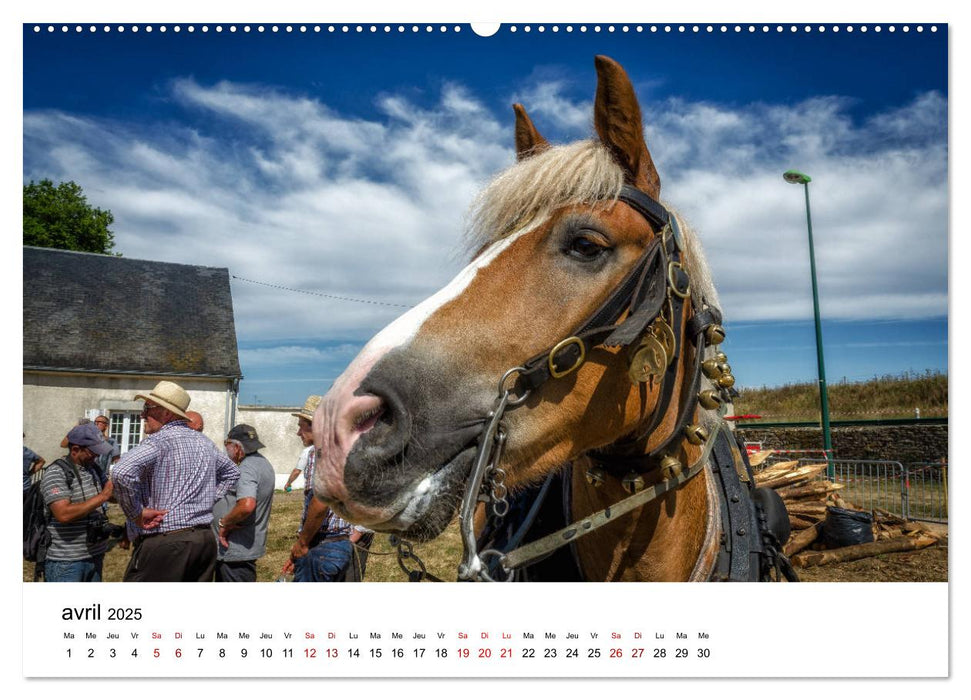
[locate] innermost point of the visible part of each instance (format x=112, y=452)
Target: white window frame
x=132, y=428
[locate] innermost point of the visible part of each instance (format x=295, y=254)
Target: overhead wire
x=321, y=294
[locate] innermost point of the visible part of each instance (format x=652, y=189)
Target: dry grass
x=880, y=397
x=440, y=557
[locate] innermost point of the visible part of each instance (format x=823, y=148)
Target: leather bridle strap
x=646, y=206
x=641, y=295
x=638, y=292
x=536, y=550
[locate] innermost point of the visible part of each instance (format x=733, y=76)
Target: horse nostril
x=366, y=419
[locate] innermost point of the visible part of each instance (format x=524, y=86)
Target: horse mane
x=580, y=173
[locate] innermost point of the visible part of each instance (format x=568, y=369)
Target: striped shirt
x=174, y=469
x=69, y=540
x=333, y=525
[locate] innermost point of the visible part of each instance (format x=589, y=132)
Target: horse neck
x=669, y=538
x=664, y=540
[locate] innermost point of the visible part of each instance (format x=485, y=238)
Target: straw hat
x=168, y=395
x=308, y=409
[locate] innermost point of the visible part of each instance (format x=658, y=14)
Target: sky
x=330, y=172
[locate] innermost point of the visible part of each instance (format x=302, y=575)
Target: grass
x=880, y=397
x=440, y=557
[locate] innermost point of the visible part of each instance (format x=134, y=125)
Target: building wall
x=54, y=402
x=278, y=431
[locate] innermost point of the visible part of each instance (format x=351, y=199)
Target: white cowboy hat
x=168, y=395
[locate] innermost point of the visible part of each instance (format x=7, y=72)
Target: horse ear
x=617, y=118
x=529, y=142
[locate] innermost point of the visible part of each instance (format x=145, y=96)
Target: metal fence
x=916, y=491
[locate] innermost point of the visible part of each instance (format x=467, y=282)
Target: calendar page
x=521, y=293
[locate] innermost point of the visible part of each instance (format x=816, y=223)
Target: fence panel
x=915, y=491
x=927, y=489
x=871, y=484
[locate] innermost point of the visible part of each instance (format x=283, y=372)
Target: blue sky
x=255, y=151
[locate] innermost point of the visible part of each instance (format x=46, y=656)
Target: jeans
x=236, y=571
x=328, y=561
x=83, y=571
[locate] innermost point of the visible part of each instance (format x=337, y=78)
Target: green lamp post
x=794, y=177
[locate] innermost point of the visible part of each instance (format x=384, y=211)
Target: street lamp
x=794, y=177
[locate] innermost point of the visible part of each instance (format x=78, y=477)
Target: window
x=126, y=428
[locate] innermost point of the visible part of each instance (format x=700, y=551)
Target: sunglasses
x=149, y=407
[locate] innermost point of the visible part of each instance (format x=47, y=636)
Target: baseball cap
x=88, y=435
x=246, y=436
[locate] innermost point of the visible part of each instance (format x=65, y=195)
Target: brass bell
x=670, y=467
x=633, y=482
x=724, y=368
x=720, y=357
x=710, y=368
x=726, y=381
x=695, y=433
x=709, y=399
x=596, y=476
x=714, y=334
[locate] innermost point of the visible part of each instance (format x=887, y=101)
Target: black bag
x=843, y=527
x=36, y=517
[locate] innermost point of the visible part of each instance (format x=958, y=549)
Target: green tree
x=59, y=216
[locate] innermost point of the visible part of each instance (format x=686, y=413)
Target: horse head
x=556, y=237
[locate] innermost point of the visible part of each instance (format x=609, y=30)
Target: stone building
x=98, y=329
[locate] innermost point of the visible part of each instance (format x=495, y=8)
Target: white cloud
x=546, y=105
x=282, y=188
x=289, y=355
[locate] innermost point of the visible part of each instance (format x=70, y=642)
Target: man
x=33, y=463
x=74, y=495
x=167, y=486
x=81, y=421
x=105, y=461
x=195, y=420
x=305, y=413
x=241, y=516
x=324, y=543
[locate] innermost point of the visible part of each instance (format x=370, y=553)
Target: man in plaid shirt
x=167, y=486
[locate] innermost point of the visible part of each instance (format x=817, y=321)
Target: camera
x=100, y=529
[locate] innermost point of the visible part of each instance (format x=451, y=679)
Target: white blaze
x=403, y=329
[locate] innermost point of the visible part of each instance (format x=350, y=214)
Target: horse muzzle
x=394, y=450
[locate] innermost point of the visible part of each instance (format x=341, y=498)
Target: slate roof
x=84, y=311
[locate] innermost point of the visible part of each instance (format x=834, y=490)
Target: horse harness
x=644, y=316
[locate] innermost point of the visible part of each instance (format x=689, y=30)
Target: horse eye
x=585, y=248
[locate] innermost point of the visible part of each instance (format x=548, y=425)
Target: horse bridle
x=632, y=317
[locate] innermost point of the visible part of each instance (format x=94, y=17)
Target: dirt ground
x=928, y=564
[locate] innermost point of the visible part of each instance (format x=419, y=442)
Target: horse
x=564, y=393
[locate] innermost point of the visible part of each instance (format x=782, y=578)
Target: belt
x=326, y=538
x=174, y=532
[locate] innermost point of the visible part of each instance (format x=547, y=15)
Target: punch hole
x=485, y=28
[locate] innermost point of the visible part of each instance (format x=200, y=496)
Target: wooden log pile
x=807, y=497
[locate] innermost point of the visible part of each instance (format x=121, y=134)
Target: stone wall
x=277, y=429
x=899, y=443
